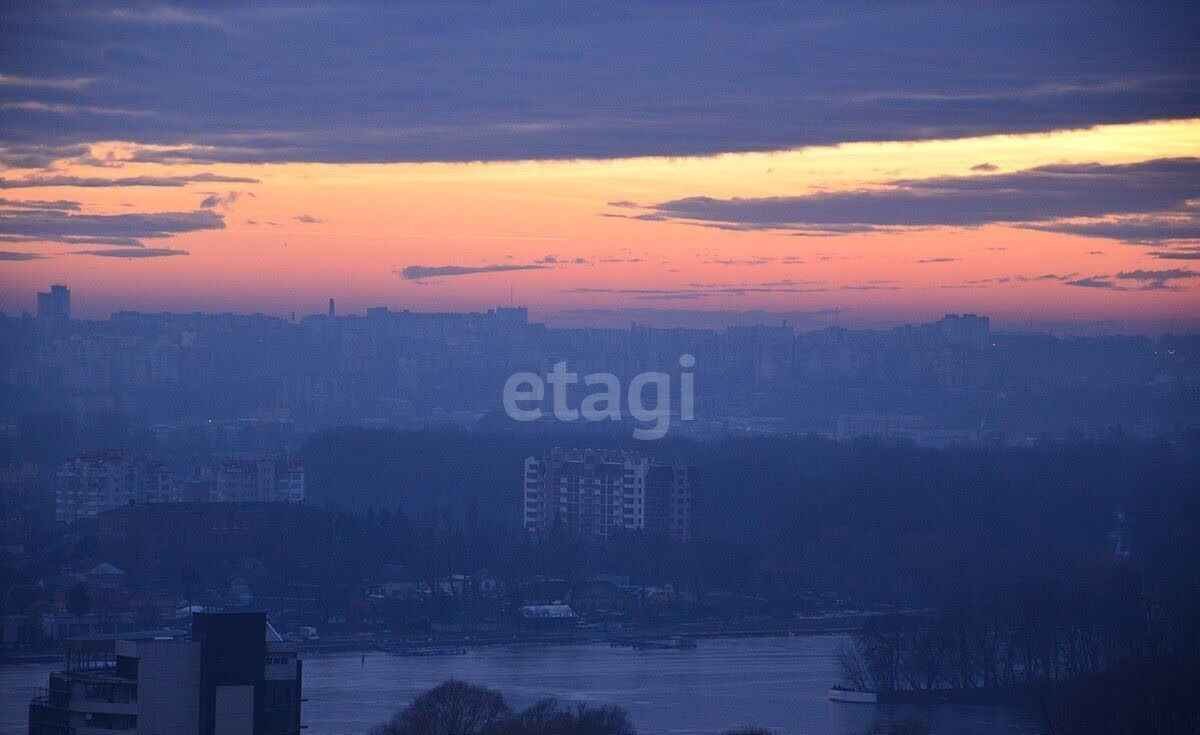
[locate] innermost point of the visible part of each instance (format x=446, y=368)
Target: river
x=776, y=683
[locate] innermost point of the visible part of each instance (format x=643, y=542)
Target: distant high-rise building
x=54, y=305
x=970, y=330
x=332, y=311
x=597, y=493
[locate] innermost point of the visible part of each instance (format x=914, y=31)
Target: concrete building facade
x=233, y=675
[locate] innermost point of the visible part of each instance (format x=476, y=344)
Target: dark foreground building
x=233, y=675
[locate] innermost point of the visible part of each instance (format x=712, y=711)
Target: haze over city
x=531, y=368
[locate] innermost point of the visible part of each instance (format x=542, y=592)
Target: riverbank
x=534, y=637
x=825, y=625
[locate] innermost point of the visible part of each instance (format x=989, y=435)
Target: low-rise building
x=548, y=617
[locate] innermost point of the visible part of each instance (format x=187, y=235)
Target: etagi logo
x=525, y=392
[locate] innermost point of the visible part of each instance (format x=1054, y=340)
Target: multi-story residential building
x=597, y=493
x=157, y=483
x=668, y=501
x=233, y=674
x=290, y=481
x=258, y=480
x=244, y=481
x=91, y=483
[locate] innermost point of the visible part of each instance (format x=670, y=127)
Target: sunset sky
x=1036, y=164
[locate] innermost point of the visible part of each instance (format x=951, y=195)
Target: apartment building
x=599, y=493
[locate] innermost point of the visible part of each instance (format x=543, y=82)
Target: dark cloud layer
x=422, y=272
x=61, y=205
x=1185, y=253
x=220, y=201
x=125, y=230
x=364, y=81
x=1155, y=192
x=696, y=291
x=1139, y=229
x=1142, y=280
x=133, y=253
x=96, y=182
x=23, y=155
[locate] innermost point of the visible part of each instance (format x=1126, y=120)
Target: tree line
x=458, y=708
x=993, y=636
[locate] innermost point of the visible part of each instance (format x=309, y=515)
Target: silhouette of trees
x=994, y=636
x=1149, y=694
x=774, y=517
x=548, y=717
x=451, y=708
x=458, y=708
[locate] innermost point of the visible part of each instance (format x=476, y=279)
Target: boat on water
x=674, y=643
x=842, y=694
x=425, y=650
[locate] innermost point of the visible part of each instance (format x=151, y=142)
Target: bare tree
x=853, y=668
x=548, y=717
x=451, y=708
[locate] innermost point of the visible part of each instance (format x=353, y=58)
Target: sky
x=854, y=163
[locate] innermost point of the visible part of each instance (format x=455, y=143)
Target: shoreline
x=831, y=626
x=842, y=625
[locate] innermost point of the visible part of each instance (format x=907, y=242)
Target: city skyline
x=769, y=367
x=1055, y=190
